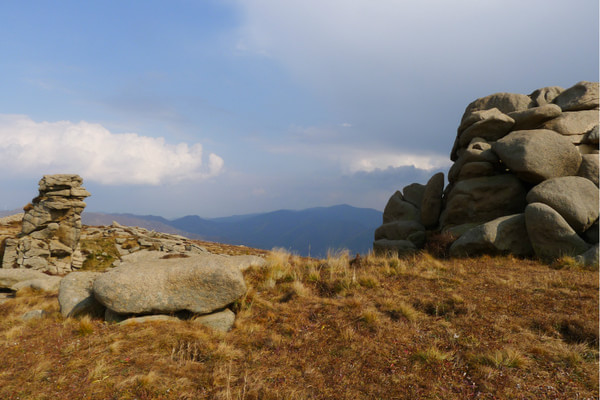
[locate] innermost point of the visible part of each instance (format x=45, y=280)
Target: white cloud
x=369, y=161
x=90, y=150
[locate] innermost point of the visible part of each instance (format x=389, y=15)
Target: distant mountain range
x=312, y=232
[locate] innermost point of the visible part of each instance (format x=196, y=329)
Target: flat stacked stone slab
x=51, y=228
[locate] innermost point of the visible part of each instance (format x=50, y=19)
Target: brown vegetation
x=387, y=328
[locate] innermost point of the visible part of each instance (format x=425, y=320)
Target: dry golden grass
x=387, y=328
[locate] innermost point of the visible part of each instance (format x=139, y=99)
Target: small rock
x=220, y=321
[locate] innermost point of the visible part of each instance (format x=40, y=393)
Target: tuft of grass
x=432, y=355
x=100, y=254
x=567, y=262
x=509, y=358
x=85, y=326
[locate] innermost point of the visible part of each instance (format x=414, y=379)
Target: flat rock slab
x=581, y=96
x=198, y=284
x=47, y=284
x=10, y=277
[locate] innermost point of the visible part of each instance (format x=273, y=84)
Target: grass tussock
x=340, y=327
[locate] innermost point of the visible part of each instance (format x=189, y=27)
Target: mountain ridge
x=312, y=231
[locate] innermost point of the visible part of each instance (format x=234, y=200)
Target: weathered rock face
x=483, y=199
x=511, y=150
x=199, y=284
x=51, y=228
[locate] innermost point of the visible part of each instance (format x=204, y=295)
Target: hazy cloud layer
x=29, y=147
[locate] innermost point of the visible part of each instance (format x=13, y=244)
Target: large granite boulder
x=537, y=155
x=481, y=200
x=75, y=295
x=413, y=193
x=431, y=205
x=550, y=235
x=399, y=209
x=573, y=123
x=573, y=197
x=199, y=284
x=546, y=95
x=501, y=236
x=17, y=278
x=581, y=96
x=492, y=128
x=534, y=117
x=589, y=167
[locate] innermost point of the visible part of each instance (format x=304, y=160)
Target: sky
x=218, y=108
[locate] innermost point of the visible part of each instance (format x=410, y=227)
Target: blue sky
x=229, y=107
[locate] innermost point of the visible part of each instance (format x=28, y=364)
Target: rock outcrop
x=51, y=228
x=524, y=180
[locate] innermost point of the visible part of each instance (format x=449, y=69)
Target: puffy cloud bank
x=90, y=150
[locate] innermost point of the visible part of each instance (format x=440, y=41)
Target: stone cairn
x=49, y=239
x=524, y=181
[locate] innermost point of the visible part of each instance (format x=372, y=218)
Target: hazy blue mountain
x=313, y=231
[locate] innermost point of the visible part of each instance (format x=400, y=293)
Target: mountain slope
x=307, y=232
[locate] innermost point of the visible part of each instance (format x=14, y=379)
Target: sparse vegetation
x=417, y=327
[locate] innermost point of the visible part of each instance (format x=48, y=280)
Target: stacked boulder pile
x=50, y=229
x=144, y=276
x=524, y=181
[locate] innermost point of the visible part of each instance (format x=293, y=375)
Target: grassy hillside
x=372, y=328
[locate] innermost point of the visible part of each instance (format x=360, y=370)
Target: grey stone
x=546, y=95
x=399, y=247
x=478, y=150
x=413, y=193
x=573, y=122
x=491, y=129
x=534, y=117
x=537, y=155
x=398, y=209
x=500, y=236
x=587, y=149
x=148, y=318
x=11, y=277
x=481, y=200
x=592, y=137
x=431, y=206
x=504, y=102
x=75, y=295
x=581, y=96
x=476, y=170
x=398, y=230
x=34, y=314
x=198, y=284
x=220, y=321
x=590, y=257
x=573, y=197
x=47, y=284
x=550, y=235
